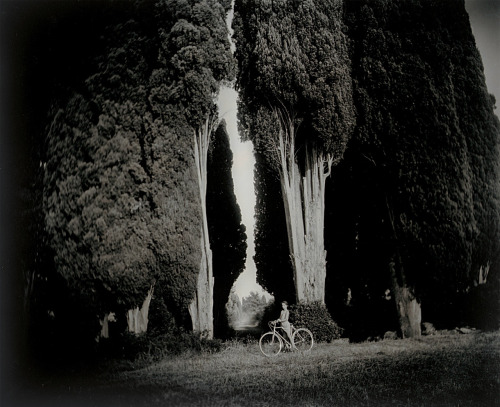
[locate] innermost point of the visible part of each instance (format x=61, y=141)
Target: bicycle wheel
x=303, y=340
x=270, y=344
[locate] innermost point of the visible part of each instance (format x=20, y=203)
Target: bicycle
x=271, y=342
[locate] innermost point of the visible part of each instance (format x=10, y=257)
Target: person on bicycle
x=283, y=319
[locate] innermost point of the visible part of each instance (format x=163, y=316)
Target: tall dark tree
x=125, y=165
x=416, y=150
x=227, y=233
x=296, y=107
x=272, y=256
x=195, y=59
x=46, y=41
x=115, y=214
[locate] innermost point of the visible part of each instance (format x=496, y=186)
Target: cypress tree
x=195, y=59
x=296, y=107
x=413, y=149
x=121, y=192
x=227, y=233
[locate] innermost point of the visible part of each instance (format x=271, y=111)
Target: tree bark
x=408, y=307
x=482, y=274
x=304, y=202
x=137, y=319
x=201, y=308
x=105, y=326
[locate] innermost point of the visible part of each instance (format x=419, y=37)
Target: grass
x=440, y=370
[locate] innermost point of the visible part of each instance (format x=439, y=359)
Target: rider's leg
x=287, y=328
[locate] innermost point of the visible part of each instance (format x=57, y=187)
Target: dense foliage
x=315, y=317
x=120, y=198
x=111, y=196
x=121, y=204
x=292, y=56
x=421, y=173
x=296, y=106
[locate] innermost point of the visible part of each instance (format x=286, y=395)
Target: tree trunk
x=304, y=202
x=137, y=319
x=105, y=326
x=482, y=274
x=408, y=307
x=201, y=308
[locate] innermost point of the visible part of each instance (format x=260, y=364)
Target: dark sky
x=485, y=21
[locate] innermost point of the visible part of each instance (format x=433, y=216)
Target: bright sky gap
x=242, y=171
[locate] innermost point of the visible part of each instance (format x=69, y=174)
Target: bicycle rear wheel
x=303, y=340
x=270, y=344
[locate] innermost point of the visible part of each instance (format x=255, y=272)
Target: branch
x=370, y=159
x=329, y=163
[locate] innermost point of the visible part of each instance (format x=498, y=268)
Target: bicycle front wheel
x=270, y=344
x=303, y=340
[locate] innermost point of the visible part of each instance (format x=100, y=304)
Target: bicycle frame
x=271, y=342
x=274, y=329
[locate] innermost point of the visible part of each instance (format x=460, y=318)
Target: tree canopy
x=296, y=107
x=117, y=198
x=293, y=57
x=121, y=197
x=416, y=183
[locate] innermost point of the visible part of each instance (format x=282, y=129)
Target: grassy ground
x=441, y=370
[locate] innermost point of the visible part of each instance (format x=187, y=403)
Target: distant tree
x=253, y=306
x=233, y=308
x=296, y=107
x=227, y=233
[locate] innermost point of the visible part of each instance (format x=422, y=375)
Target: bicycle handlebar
x=272, y=324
